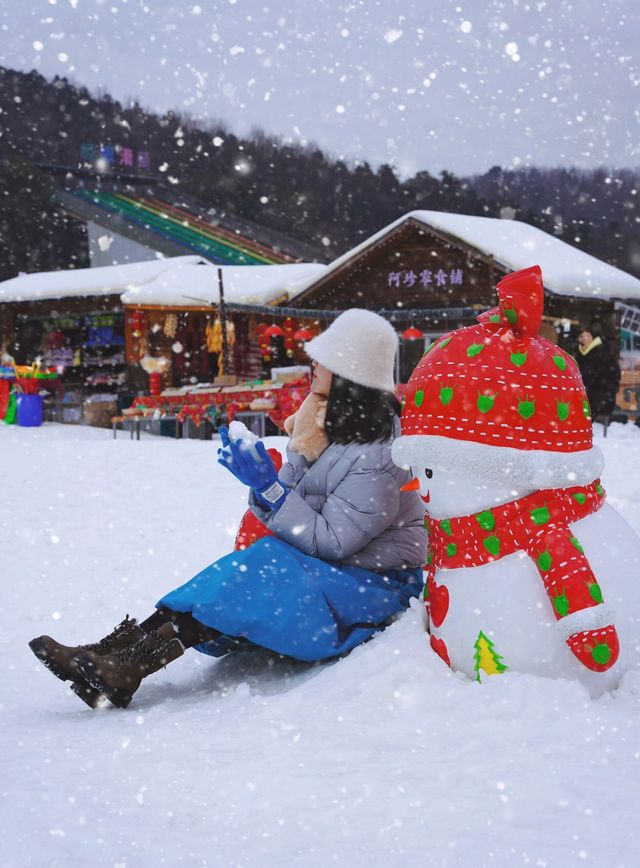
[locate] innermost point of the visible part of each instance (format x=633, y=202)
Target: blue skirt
x=280, y=598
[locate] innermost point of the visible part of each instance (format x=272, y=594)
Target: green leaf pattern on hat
x=527, y=407
x=560, y=362
x=446, y=394
x=485, y=402
x=474, y=350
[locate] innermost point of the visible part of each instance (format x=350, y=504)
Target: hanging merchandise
x=170, y=325
x=273, y=331
x=303, y=334
x=155, y=383
x=270, y=334
x=288, y=327
x=231, y=333
x=179, y=347
x=263, y=342
x=412, y=334
x=138, y=323
x=143, y=348
x=196, y=338
x=213, y=335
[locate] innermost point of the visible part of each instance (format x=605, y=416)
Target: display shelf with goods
x=88, y=350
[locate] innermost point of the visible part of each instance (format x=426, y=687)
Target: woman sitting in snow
x=347, y=548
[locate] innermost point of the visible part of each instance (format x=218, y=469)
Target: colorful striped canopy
x=182, y=227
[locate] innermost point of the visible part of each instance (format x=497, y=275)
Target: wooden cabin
x=436, y=271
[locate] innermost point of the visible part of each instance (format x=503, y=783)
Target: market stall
x=274, y=399
x=113, y=334
x=73, y=322
x=189, y=318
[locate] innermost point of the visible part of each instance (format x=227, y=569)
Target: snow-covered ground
x=383, y=759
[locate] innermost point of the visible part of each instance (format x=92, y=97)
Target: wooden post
x=223, y=324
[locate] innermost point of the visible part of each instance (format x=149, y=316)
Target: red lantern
x=274, y=331
x=288, y=328
x=155, y=383
x=263, y=342
x=303, y=334
x=138, y=322
x=412, y=334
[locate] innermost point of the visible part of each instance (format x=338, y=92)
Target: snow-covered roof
x=514, y=245
x=107, y=280
x=163, y=282
x=190, y=285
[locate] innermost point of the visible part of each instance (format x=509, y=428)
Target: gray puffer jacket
x=347, y=506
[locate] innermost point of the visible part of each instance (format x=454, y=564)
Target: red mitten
x=598, y=650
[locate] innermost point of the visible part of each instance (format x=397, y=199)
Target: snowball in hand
x=238, y=431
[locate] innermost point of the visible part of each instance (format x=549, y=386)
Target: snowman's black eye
x=428, y=472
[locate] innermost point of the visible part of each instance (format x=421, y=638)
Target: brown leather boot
x=117, y=676
x=61, y=659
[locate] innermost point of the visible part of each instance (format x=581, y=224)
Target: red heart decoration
x=438, y=602
x=440, y=648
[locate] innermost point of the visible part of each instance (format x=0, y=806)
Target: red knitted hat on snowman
x=505, y=393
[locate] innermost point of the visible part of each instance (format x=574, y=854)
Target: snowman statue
x=529, y=569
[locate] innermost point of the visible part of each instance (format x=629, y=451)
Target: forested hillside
x=300, y=191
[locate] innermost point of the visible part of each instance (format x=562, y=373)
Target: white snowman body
x=497, y=429
x=506, y=600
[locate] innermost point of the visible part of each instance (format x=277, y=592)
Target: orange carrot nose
x=412, y=485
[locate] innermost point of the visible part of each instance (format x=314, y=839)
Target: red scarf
x=539, y=525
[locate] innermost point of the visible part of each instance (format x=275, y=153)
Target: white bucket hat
x=360, y=346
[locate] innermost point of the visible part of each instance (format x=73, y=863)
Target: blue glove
x=259, y=474
x=224, y=455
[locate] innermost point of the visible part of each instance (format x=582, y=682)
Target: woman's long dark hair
x=359, y=414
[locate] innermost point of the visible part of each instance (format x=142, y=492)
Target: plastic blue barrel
x=29, y=411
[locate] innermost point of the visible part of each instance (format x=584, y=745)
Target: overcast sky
x=423, y=85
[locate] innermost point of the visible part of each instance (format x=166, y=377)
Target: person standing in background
x=600, y=370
